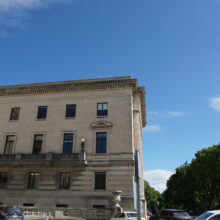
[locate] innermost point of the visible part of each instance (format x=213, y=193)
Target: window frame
x=95, y=180
x=13, y=147
x=102, y=112
x=38, y=112
x=43, y=142
x=35, y=184
x=70, y=178
x=18, y=114
x=70, y=117
x=73, y=141
x=6, y=183
x=106, y=142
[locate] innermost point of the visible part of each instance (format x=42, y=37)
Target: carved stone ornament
x=116, y=199
x=101, y=124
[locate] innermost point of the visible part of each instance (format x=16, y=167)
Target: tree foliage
x=196, y=186
x=153, y=197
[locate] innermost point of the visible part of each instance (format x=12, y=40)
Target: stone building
x=72, y=143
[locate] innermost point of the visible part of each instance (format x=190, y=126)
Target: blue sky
x=171, y=46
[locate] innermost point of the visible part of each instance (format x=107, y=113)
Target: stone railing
x=48, y=158
x=66, y=213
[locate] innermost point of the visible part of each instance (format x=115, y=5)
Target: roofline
x=67, y=82
x=78, y=85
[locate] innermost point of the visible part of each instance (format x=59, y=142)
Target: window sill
x=67, y=118
x=101, y=116
x=101, y=154
x=40, y=119
x=12, y=120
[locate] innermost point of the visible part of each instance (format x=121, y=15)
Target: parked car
x=209, y=215
x=11, y=213
x=172, y=214
x=127, y=216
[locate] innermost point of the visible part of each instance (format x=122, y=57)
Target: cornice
x=69, y=86
x=77, y=86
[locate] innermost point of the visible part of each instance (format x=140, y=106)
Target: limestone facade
x=85, y=177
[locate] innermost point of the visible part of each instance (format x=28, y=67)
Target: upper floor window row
x=68, y=143
x=102, y=110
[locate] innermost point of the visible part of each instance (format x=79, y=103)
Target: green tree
x=195, y=186
x=153, y=198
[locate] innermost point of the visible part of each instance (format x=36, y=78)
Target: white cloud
x=171, y=114
x=215, y=103
x=14, y=13
x=157, y=178
x=167, y=114
x=151, y=128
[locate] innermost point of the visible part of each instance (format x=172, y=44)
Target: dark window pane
x=68, y=143
x=64, y=180
x=9, y=144
x=102, y=109
x=3, y=180
x=100, y=180
x=33, y=180
x=98, y=206
x=14, y=113
x=70, y=111
x=61, y=205
x=216, y=217
x=38, y=143
x=42, y=112
x=101, y=142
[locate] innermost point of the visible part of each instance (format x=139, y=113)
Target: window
x=68, y=143
x=101, y=142
x=65, y=180
x=3, y=180
x=9, y=144
x=70, y=111
x=14, y=114
x=61, y=205
x=42, y=112
x=28, y=204
x=216, y=217
x=98, y=206
x=102, y=109
x=38, y=143
x=33, y=180
x=100, y=181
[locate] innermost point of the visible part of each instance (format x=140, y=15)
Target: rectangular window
x=14, y=114
x=68, y=143
x=33, y=180
x=65, y=180
x=38, y=143
x=101, y=142
x=3, y=180
x=70, y=111
x=102, y=109
x=9, y=144
x=42, y=112
x=98, y=206
x=100, y=180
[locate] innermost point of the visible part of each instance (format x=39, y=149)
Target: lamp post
x=83, y=145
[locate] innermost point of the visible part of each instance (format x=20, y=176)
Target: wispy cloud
x=215, y=103
x=14, y=13
x=167, y=114
x=157, y=178
x=151, y=128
